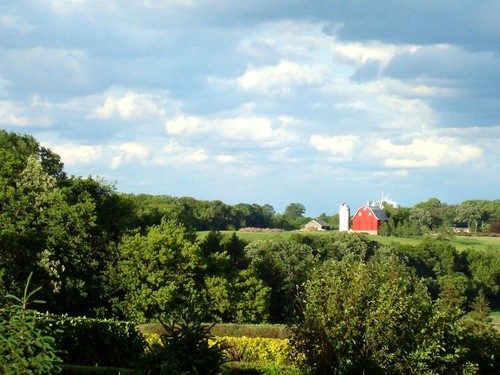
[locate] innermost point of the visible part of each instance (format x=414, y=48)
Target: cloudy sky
x=252, y=101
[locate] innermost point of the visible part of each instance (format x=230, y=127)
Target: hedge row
x=249, y=349
x=95, y=342
x=276, y=331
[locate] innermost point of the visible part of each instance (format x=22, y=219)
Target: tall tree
x=378, y=318
x=283, y=265
x=159, y=271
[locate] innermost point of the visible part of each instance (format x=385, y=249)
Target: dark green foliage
x=26, y=346
x=249, y=368
x=378, y=318
x=283, y=265
x=233, y=293
x=484, y=269
x=184, y=347
x=339, y=245
x=96, y=342
x=92, y=370
x=159, y=271
x=276, y=331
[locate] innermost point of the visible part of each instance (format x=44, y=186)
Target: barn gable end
x=368, y=219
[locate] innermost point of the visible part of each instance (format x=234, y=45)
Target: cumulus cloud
x=175, y=154
x=359, y=53
x=132, y=105
x=422, y=153
x=280, y=78
x=372, y=84
x=252, y=129
x=339, y=146
x=74, y=154
x=226, y=159
x=13, y=114
x=127, y=152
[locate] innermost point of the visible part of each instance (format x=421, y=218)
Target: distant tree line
x=146, y=210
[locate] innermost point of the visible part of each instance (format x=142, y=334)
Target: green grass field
x=460, y=242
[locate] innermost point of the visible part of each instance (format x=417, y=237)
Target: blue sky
x=317, y=102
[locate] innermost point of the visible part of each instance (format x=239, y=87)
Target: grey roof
x=379, y=213
x=322, y=223
x=318, y=222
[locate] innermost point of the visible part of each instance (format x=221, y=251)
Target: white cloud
x=13, y=114
x=281, y=78
x=74, y=154
x=185, y=125
x=175, y=154
x=360, y=53
x=426, y=153
x=251, y=129
x=129, y=151
x=337, y=146
x=226, y=159
x=132, y=105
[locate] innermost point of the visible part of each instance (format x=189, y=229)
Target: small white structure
x=317, y=224
x=382, y=202
x=344, y=217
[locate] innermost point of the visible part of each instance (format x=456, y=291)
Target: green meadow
x=460, y=242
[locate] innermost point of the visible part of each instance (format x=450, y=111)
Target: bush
x=259, y=368
x=26, y=347
x=92, y=370
x=378, y=318
x=97, y=342
x=277, y=331
x=260, y=350
x=184, y=347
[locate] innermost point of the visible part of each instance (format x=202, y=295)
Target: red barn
x=368, y=219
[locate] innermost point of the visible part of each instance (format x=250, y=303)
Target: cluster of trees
x=433, y=215
x=98, y=253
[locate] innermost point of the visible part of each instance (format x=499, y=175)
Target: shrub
x=277, y=331
x=26, y=347
x=97, y=342
x=92, y=370
x=258, y=349
x=259, y=368
x=378, y=318
x=184, y=347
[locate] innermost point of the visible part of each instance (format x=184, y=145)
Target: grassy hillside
x=460, y=242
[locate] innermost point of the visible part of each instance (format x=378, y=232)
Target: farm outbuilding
x=317, y=224
x=368, y=219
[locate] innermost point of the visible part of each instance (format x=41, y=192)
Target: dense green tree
x=339, y=245
x=233, y=293
x=159, y=271
x=15, y=149
x=469, y=213
x=283, y=265
x=377, y=317
x=484, y=269
x=294, y=216
x=43, y=232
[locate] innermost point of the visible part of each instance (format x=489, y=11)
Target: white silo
x=344, y=217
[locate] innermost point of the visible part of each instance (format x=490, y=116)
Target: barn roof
x=322, y=222
x=379, y=213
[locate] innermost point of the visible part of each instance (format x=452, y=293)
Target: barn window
x=369, y=214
